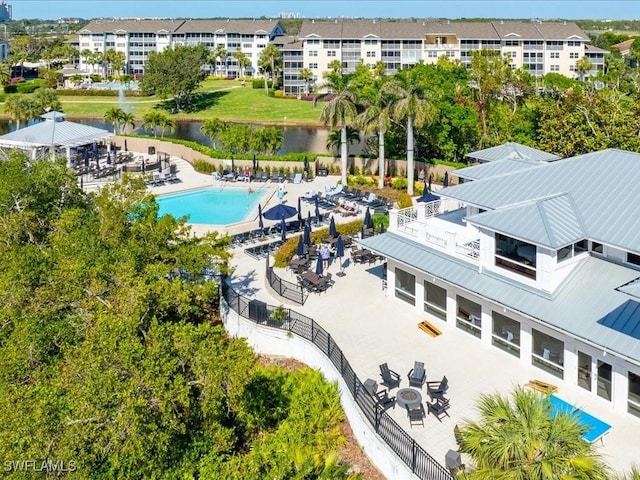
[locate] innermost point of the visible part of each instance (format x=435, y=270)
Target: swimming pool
x=115, y=86
x=596, y=428
x=211, y=205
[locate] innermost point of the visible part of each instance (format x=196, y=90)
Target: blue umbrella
x=260, y=222
x=144, y=166
x=340, y=251
x=427, y=197
x=159, y=164
x=317, y=211
x=307, y=235
x=86, y=157
x=332, y=228
x=306, y=165
x=108, y=158
x=280, y=212
x=319, y=265
x=445, y=182
x=362, y=231
x=255, y=163
x=430, y=180
x=283, y=230
x=95, y=150
x=300, y=247
x=309, y=219
x=299, y=210
x=368, y=223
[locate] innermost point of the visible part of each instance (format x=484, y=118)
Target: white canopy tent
x=52, y=135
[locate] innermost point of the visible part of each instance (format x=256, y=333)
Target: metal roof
x=550, y=222
x=513, y=151
x=632, y=289
x=604, y=187
x=53, y=131
x=586, y=306
x=494, y=169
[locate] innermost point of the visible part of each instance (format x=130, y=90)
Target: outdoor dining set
x=410, y=398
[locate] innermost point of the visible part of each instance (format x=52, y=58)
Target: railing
x=423, y=465
x=289, y=290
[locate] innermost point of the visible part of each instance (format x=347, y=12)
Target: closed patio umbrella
x=95, y=151
x=319, y=265
x=332, y=228
x=86, y=157
x=97, y=163
x=306, y=165
x=125, y=145
x=340, y=253
x=445, y=182
x=108, y=158
x=260, y=222
x=430, y=180
x=283, y=230
x=300, y=210
x=307, y=235
x=309, y=219
x=255, y=163
x=317, y=211
x=300, y=247
x=368, y=222
x=362, y=231
x=159, y=164
x=144, y=166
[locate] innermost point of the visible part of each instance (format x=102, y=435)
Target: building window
x=572, y=43
x=506, y=334
x=371, y=54
x=515, y=255
x=570, y=251
x=555, y=55
x=574, y=55
x=313, y=65
x=547, y=353
x=633, y=258
x=572, y=68
x=633, y=404
x=584, y=370
x=313, y=42
x=597, y=247
x=604, y=380
x=313, y=53
x=432, y=54
x=468, y=316
x=435, y=300
x=511, y=43
x=331, y=53
x=405, y=286
x=555, y=68
x=371, y=42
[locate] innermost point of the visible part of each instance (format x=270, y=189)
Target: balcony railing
x=440, y=46
x=420, y=223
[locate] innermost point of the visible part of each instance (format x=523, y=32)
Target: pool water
x=211, y=205
x=115, y=86
x=596, y=428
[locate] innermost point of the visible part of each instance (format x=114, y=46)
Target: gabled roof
x=551, y=222
x=587, y=304
x=604, y=187
x=512, y=150
x=494, y=169
x=131, y=25
x=264, y=27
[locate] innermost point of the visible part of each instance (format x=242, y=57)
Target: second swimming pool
x=212, y=205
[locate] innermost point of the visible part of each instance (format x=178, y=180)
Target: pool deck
x=372, y=328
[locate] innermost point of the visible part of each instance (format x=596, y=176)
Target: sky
x=562, y=9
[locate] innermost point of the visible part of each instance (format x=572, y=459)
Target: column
x=68, y=150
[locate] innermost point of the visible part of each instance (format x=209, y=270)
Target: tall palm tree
x=518, y=439
x=127, y=120
x=409, y=102
x=243, y=61
x=114, y=116
x=335, y=137
x=221, y=53
x=5, y=74
x=269, y=57
x=376, y=119
x=341, y=105
x=307, y=75
x=154, y=120
x=213, y=128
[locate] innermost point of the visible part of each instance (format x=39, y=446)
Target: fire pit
x=409, y=398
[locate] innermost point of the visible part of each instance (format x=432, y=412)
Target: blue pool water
x=596, y=428
x=212, y=205
x=115, y=86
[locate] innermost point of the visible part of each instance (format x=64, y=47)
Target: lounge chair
x=297, y=178
x=439, y=408
x=417, y=375
x=335, y=191
x=264, y=176
x=437, y=389
x=370, y=198
x=390, y=379
x=416, y=415
x=384, y=400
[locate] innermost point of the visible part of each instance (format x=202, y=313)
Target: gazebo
x=52, y=135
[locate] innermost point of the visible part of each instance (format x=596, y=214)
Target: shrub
x=361, y=180
x=278, y=94
x=100, y=93
x=399, y=183
x=404, y=200
x=308, y=98
x=10, y=89
x=204, y=166
x=30, y=86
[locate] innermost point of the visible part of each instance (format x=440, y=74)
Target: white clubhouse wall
x=269, y=341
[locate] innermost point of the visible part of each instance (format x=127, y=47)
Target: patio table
x=409, y=398
x=313, y=280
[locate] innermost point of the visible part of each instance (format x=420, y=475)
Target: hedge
x=79, y=92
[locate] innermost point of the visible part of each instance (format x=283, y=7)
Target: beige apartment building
x=540, y=47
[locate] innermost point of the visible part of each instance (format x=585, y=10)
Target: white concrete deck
x=372, y=328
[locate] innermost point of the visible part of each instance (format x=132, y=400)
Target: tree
x=174, y=72
x=86, y=54
x=47, y=99
x=214, y=128
x=341, y=105
x=583, y=66
x=154, y=120
x=334, y=138
x=335, y=66
x=306, y=75
x=408, y=101
x=243, y=61
x=119, y=119
x=270, y=57
x=5, y=74
x=221, y=54
x=519, y=439
x=22, y=108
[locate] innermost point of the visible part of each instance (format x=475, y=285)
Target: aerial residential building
x=539, y=47
x=534, y=256
x=136, y=38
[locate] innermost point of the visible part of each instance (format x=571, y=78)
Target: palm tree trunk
x=410, y=156
x=343, y=152
x=381, y=158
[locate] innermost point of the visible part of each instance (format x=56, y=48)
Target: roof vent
x=501, y=22
x=448, y=22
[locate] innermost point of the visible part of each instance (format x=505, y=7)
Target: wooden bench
x=429, y=329
x=541, y=386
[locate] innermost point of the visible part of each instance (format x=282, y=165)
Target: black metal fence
x=423, y=465
x=289, y=290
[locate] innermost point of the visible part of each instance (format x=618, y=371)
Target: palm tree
x=5, y=74
x=22, y=108
x=408, y=102
x=375, y=119
x=114, y=116
x=221, y=53
x=243, y=61
x=154, y=119
x=86, y=54
x=520, y=440
x=269, y=57
x=127, y=120
x=334, y=138
x=335, y=66
x=213, y=128
x=307, y=75
x=341, y=105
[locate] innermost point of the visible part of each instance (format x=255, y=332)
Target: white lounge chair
x=297, y=178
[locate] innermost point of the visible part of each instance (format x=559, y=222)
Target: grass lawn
x=225, y=99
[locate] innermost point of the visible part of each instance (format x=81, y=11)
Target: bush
x=30, y=86
x=308, y=98
x=404, y=200
x=259, y=83
x=204, y=166
x=100, y=93
x=96, y=78
x=10, y=89
x=361, y=180
x=399, y=183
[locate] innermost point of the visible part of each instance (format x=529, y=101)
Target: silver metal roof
x=494, y=169
x=551, y=222
x=604, y=187
x=586, y=306
x=54, y=131
x=632, y=289
x=513, y=151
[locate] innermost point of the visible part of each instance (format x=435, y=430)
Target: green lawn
x=225, y=99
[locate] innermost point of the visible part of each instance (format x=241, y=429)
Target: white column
x=420, y=293
x=452, y=309
x=486, y=325
x=68, y=149
x=619, y=387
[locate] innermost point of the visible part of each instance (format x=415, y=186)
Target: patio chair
x=264, y=176
x=439, y=408
x=384, y=400
x=297, y=178
x=416, y=415
x=417, y=375
x=390, y=379
x=437, y=389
